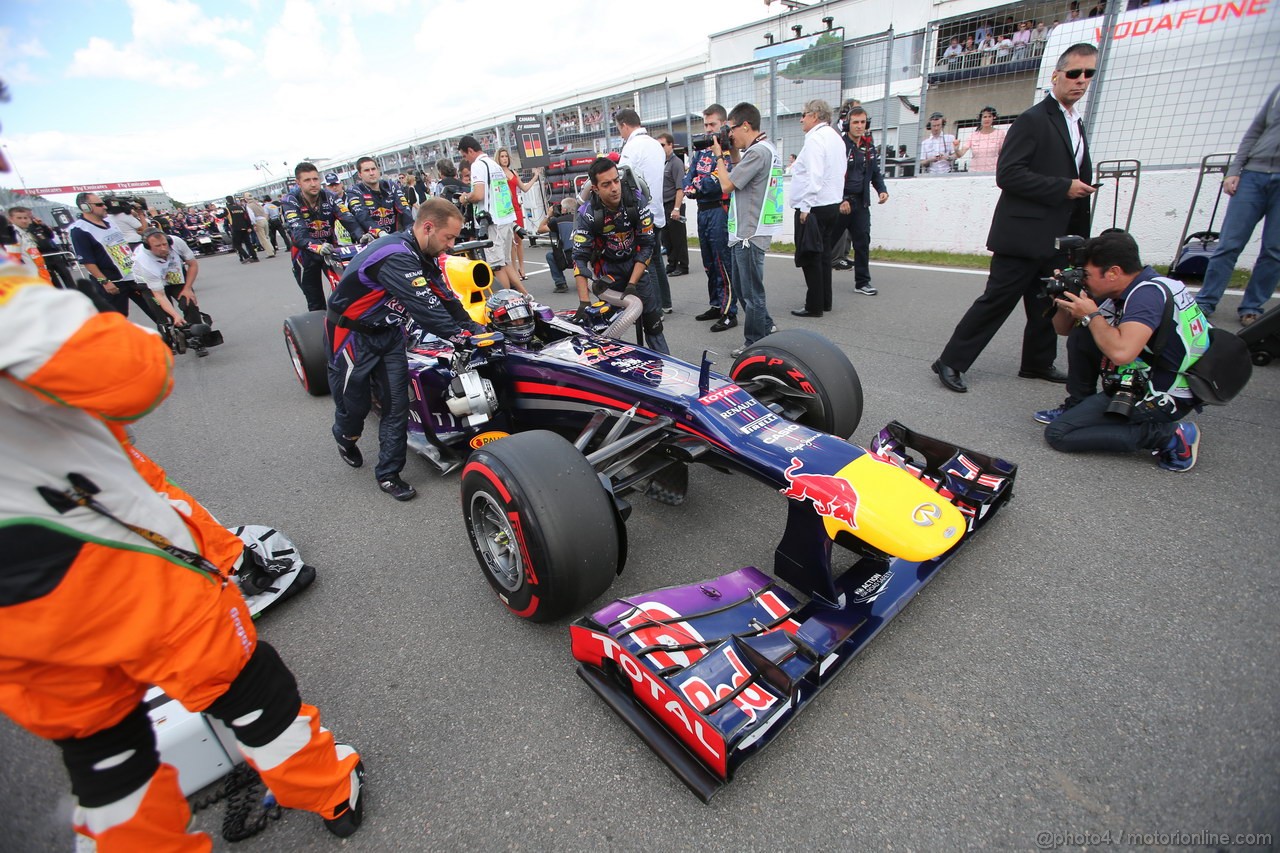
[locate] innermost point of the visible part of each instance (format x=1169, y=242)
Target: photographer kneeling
x=1146, y=393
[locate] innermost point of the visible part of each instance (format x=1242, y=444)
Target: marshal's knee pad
x=113, y=762
x=262, y=701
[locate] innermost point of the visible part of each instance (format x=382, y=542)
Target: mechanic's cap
x=331, y=178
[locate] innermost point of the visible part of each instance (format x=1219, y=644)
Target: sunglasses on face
x=1074, y=73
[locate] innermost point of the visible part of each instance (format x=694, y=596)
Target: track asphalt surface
x=1104, y=658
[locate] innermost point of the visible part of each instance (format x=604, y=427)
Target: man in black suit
x=1044, y=174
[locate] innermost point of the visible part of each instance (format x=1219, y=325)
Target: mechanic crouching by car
x=1147, y=394
x=613, y=244
x=310, y=214
x=395, y=279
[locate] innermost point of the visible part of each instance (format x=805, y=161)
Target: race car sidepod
x=709, y=673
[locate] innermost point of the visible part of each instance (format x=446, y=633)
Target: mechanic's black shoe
x=675, y=271
x=350, y=454
x=806, y=313
x=712, y=313
x=952, y=380
x=1048, y=374
x=724, y=323
x=351, y=813
x=560, y=288
x=397, y=488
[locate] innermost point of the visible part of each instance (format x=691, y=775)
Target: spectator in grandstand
x=987, y=47
x=951, y=56
x=1039, y=36
x=1022, y=40
x=1004, y=47
x=938, y=150
x=985, y=142
x=969, y=58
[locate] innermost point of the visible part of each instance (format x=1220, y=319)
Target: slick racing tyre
x=809, y=376
x=304, y=338
x=541, y=524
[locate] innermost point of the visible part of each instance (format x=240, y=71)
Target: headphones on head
x=82, y=202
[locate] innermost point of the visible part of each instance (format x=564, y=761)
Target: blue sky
x=195, y=93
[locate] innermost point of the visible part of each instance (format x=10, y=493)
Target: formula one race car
x=557, y=427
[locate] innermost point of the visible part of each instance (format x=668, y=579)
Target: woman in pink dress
x=985, y=142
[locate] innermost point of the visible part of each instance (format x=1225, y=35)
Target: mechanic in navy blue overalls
x=614, y=242
x=701, y=184
x=376, y=204
x=309, y=213
x=396, y=278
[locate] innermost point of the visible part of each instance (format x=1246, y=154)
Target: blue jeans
x=713, y=240
x=1257, y=198
x=748, y=280
x=557, y=274
x=1087, y=426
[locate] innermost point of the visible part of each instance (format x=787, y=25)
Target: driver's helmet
x=511, y=313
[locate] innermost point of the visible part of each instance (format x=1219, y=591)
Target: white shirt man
x=938, y=150
x=817, y=177
x=158, y=264
x=645, y=155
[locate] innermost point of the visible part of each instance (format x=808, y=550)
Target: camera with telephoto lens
x=1070, y=279
x=1126, y=389
x=702, y=143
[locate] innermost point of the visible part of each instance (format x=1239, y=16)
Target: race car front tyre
x=304, y=338
x=809, y=376
x=541, y=524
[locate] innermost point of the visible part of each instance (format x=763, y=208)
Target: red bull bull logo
x=833, y=497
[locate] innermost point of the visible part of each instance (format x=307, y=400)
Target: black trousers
x=243, y=241
x=274, y=227
x=857, y=224
x=1011, y=280
x=817, y=267
x=675, y=236
x=365, y=364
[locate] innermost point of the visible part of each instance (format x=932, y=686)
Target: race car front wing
x=709, y=673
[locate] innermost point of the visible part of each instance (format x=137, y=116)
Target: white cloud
x=165, y=32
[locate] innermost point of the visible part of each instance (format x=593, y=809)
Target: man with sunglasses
x=108, y=257
x=1044, y=174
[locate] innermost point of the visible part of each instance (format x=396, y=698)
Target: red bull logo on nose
x=833, y=497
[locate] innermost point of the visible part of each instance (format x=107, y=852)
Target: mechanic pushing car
x=310, y=214
x=116, y=579
x=377, y=205
x=396, y=278
x=613, y=244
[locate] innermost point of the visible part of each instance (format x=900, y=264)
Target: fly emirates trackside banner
x=91, y=188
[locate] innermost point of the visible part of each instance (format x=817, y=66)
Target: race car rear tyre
x=541, y=524
x=304, y=338
x=802, y=369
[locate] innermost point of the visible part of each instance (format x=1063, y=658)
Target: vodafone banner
x=90, y=188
